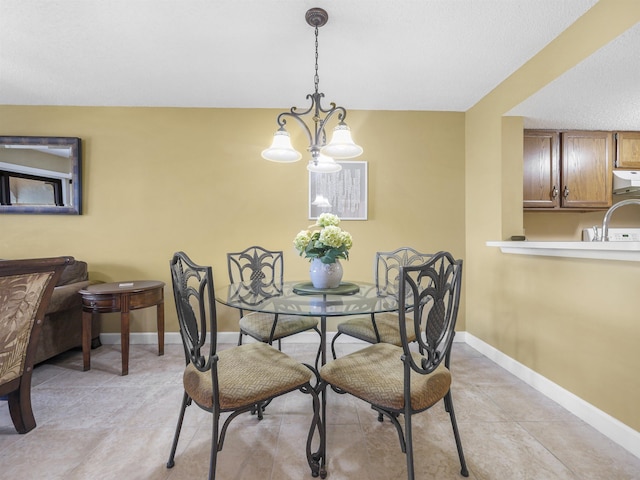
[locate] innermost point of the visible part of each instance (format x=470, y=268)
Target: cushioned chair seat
x=375, y=374
x=259, y=325
x=248, y=374
x=387, y=323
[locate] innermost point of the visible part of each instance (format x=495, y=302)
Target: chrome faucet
x=607, y=216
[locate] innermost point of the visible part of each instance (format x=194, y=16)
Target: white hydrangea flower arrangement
x=325, y=240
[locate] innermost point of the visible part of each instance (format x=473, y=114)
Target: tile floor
x=100, y=425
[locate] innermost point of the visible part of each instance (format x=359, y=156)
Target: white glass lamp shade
x=324, y=165
x=281, y=149
x=341, y=144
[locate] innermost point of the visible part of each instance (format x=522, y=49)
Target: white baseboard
x=617, y=431
x=614, y=429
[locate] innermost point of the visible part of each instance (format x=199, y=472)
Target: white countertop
x=625, y=251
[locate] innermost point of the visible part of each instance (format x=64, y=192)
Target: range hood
x=626, y=182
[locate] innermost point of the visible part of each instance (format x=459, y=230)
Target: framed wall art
x=41, y=175
x=342, y=193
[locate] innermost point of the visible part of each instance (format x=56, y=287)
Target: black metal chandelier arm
x=296, y=116
x=316, y=106
x=317, y=138
x=316, y=102
x=342, y=114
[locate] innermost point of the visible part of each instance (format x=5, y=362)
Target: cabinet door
x=586, y=169
x=540, y=156
x=628, y=150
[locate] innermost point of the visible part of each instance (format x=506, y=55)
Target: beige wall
x=161, y=180
x=574, y=321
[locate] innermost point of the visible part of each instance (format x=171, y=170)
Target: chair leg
x=185, y=401
x=215, y=446
x=258, y=409
x=408, y=436
x=333, y=346
x=240, y=338
x=20, y=406
x=448, y=401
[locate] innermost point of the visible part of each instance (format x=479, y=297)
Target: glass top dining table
x=300, y=298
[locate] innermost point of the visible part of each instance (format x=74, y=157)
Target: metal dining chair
x=232, y=380
x=399, y=382
x=263, y=270
x=383, y=327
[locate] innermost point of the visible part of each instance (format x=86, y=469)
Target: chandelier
x=323, y=155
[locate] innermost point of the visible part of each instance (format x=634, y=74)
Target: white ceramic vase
x=325, y=275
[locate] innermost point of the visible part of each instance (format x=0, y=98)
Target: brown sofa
x=62, y=328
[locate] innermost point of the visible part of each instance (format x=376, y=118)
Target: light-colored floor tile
x=347, y=455
x=48, y=453
x=132, y=453
x=499, y=450
x=586, y=452
x=520, y=402
x=99, y=424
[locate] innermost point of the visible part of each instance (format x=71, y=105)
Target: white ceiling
x=600, y=93
x=373, y=54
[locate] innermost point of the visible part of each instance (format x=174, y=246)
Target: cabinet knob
x=565, y=192
x=554, y=192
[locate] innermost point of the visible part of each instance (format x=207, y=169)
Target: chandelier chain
x=316, y=78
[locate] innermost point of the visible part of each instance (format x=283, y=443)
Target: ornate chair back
x=387, y=267
x=433, y=290
x=258, y=274
x=382, y=327
x=262, y=269
x=26, y=287
x=195, y=306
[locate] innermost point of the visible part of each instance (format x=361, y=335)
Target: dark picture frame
x=52, y=166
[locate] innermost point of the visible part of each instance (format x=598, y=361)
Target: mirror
x=40, y=175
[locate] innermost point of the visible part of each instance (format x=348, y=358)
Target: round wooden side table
x=120, y=297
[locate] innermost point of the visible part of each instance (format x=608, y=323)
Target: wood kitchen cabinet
x=541, y=172
x=567, y=169
x=627, y=149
